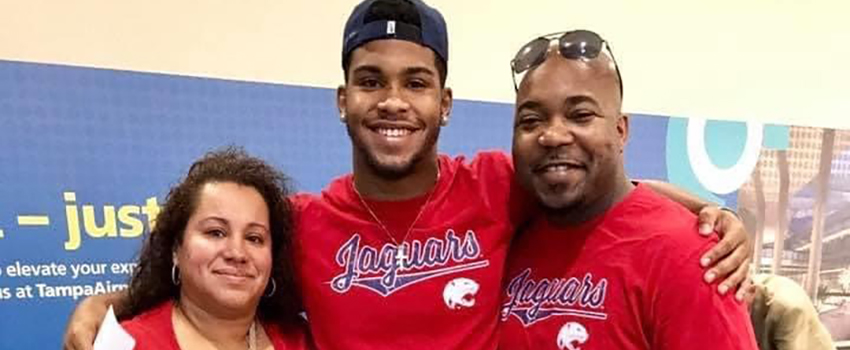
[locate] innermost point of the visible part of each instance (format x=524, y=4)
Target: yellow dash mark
x=33, y=220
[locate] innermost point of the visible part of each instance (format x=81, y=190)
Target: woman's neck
x=200, y=325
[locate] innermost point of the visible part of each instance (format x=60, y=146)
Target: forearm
x=679, y=195
x=118, y=299
x=85, y=321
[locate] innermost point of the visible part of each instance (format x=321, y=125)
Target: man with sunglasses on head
x=605, y=264
x=408, y=252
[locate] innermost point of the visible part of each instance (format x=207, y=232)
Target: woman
x=216, y=272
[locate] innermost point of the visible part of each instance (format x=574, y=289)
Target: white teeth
x=557, y=168
x=394, y=132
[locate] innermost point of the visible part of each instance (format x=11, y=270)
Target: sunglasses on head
x=576, y=44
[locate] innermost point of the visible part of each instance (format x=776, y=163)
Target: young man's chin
x=392, y=167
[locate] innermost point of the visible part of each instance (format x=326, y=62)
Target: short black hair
x=402, y=11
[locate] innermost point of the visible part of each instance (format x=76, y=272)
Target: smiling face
x=393, y=103
x=225, y=258
x=569, y=133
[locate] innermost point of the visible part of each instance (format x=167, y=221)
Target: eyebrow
x=227, y=223
x=257, y=224
x=418, y=70
x=529, y=104
x=215, y=219
x=407, y=71
x=578, y=99
x=366, y=69
x=568, y=102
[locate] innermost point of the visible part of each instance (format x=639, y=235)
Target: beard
x=399, y=168
x=589, y=198
x=565, y=210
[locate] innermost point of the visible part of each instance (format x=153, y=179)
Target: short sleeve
x=683, y=311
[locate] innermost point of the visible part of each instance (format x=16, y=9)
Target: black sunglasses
x=573, y=45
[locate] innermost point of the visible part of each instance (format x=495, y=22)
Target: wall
x=778, y=61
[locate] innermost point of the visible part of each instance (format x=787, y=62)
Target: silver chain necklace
x=401, y=253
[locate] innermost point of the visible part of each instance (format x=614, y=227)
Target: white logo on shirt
x=572, y=332
x=460, y=293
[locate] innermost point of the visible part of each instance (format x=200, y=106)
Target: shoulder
x=154, y=316
x=301, y=199
x=490, y=160
x=337, y=187
x=664, y=224
x=487, y=177
x=290, y=337
x=152, y=329
x=671, y=245
x=492, y=170
x=335, y=194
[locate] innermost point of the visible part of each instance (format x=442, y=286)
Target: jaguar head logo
x=572, y=335
x=460, y=293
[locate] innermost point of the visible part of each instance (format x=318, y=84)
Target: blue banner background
x=118, y=138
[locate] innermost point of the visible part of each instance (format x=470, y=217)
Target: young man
x=607, y=264
x=409, y=250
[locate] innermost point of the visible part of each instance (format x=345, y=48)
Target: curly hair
x=151, y=282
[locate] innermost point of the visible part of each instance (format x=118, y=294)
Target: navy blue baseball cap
x=366, y=24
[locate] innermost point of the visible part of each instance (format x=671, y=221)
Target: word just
x=128, y=216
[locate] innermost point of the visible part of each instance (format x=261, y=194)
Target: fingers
x=719, y=256
x=735, y=281
x=733, y=236
x=747, y=289
x=77, y=339
x=734, y=267
x=708, y=217
x=730, y=258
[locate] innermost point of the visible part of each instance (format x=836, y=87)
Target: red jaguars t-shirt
x=444, y=293
x=629, y=279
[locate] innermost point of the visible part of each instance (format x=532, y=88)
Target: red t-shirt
x=444, y=295
x=153, y=330
x=629, y=279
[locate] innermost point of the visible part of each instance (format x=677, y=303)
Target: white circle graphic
x=715, y=179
